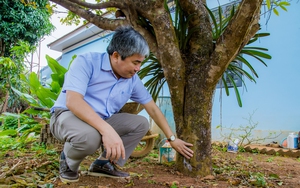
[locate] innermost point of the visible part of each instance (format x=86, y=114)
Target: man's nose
x=137, y=68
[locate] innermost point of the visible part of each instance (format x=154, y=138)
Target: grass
x=242, y=166
x=271, y=159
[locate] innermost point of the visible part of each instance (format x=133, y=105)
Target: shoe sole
x=68, y=180
x=105, y=175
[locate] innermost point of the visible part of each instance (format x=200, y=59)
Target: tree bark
x=193, y=74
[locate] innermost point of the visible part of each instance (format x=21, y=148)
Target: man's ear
x=115, y=56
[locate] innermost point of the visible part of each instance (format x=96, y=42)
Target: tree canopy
x=23, y=21
x=22, y=25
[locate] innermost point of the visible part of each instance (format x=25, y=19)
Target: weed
x=219, y=148
x=130, y=184
x=49, y=185
x=270, y=159
x=280, y=183
x=255, y=151
x=258, y=180
x=244, y=133
x=139, y=147
x=152, y=181
x=154, y=155
x=146, y=159
x=8, y=143
x=173, y=185
x=242, y=149
x=239, y=157
x=250, y=159
x=41, y=149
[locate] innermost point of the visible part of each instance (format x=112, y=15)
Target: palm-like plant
x=153, y=71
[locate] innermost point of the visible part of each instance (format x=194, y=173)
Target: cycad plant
x=235, y=69
x=153, y=71
x=40, y=99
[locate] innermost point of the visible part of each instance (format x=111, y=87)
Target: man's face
x=128, y=67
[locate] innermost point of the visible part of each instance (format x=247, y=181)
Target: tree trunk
x=193, y=74
x=4, y=107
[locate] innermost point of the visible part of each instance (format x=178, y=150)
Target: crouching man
x=85, y=115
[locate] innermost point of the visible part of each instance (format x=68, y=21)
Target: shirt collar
x=106, y=63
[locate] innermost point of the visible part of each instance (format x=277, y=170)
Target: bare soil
x=243, y=169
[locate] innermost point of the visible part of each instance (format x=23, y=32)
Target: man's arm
x=111, y=140
x=179, y=145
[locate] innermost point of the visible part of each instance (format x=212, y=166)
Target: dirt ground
x=241, y=169
x=230, y=170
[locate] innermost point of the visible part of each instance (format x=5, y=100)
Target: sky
x=60, y=30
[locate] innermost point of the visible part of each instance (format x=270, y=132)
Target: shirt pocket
x=119, y=100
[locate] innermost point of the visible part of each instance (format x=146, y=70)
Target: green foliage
x=41, y=149
x=219, y=25
x=43, y=96
x=154, y=155
x=9, y=132
x=272, y=5
x=9, y=143
x=9, y=122
x=22, y=25
x=258, y=180
x=11, y=127
x=23, y=21
x=10, y=69
x=71, y=19
x=40, y=100
x=152, y=70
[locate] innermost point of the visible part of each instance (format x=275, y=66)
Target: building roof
x=79, y=36
x=82, y=34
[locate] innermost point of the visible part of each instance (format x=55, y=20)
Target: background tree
x=22, y=25
x=192, y=73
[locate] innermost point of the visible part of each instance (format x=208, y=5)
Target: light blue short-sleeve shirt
x=92, y=76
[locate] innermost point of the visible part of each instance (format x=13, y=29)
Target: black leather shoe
x=66, y=175
x=107, y=170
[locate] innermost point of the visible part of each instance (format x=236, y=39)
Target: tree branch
x=239, y=31
x=116, y=3
x=100, y=21
x=202, y=36
x=106, y=23
x=2, y=47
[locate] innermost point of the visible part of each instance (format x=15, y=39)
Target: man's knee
x=144, y=124
x=87, y=143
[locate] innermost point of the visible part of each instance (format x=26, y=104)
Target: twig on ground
x=9, y=171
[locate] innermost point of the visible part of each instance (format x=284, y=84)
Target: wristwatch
x=172, y=138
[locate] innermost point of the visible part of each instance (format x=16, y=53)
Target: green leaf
x=237, y=93
x=273, y=176
x=25, y=96
x=58, y=71
x=9, y=132
x=269, y=4
x=276, y=11
x=283, y=7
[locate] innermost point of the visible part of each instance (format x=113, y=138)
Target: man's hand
x=182, y=147
x=178, y=144
x=113, y=145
